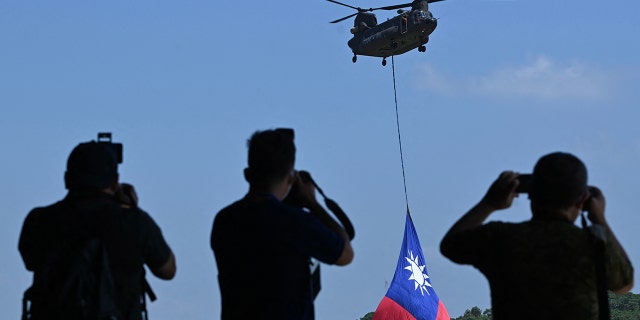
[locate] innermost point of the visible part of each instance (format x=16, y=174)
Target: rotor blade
x=398, y=6
x=345, y=18
x=346, y=5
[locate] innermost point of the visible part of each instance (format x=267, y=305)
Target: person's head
x=271, y=158
x=91, y=166
x=559, y=182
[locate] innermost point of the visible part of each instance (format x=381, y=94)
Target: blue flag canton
x=411, y=286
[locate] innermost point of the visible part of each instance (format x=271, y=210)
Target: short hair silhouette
x=271, y=155
x=559, y=180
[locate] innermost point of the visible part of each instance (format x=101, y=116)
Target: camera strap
x=314, y=265
x=337, y=211
x=598, y=246
x=314, y=271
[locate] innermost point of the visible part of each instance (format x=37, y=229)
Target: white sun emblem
x=417, y=275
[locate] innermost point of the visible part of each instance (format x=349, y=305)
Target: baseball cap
x=91, y=165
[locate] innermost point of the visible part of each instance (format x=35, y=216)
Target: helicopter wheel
x=384, y=62
x=354, y=59
x=422, y=49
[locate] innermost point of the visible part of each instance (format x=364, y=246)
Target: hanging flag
x=410, y=295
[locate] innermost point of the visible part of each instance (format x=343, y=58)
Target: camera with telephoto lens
x=116, y=148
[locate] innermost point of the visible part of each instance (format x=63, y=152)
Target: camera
x=116, y=148
x=586, y=206
x=525, y=183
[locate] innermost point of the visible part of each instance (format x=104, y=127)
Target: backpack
x=76, y=283
x=79, y=288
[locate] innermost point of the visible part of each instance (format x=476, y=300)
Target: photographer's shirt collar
x=87, y=193
x=252, y=196
x=549, y=218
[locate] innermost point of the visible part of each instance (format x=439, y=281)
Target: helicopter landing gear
x=422, y=49
x=354, y=59
x=384, y=61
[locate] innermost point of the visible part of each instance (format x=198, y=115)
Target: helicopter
x=404, y=32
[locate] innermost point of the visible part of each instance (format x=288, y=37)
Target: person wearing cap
x=263, y=245
x=96, y=207
x=546, y=267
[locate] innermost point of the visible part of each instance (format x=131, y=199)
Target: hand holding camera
x=303, y=191
x=502, y=191
x=126, y=194
x=303, y=194
x=595, y=205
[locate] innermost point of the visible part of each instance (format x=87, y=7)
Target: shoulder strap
x=27, y=299
x=146, y=291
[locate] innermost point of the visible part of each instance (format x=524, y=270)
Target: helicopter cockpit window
x=423, y=15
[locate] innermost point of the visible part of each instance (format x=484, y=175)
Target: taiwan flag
x=410, y=295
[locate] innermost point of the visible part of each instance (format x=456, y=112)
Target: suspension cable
x=395, y=98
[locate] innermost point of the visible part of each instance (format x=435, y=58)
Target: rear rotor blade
x=398, y=6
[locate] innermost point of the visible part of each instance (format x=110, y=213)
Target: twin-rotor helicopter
x=404, y=32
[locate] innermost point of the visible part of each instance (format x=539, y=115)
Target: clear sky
x=183, y=84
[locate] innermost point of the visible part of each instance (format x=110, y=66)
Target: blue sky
x=184, y=84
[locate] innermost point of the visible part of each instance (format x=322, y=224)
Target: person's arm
x=168, y=270
x=498, y=197
x=321, y=214
x=157, y=254
x=306, y=197
x=126, y=194
x=27, y=244
x=622, y=271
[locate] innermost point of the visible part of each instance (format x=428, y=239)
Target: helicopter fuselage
x=402, y=33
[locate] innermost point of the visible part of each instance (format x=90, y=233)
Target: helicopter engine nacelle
x=365, y=19
x=420, y=5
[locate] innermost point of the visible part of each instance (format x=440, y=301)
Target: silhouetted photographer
x=544, y=268
x=264, y=242
x=88, y=251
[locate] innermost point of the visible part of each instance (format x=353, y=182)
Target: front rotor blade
x=398, y=6
x=345, y=18
x=346, y=5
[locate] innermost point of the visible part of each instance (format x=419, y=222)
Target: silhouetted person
x=544, y=268
x=263, y=245
x=94, y=208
